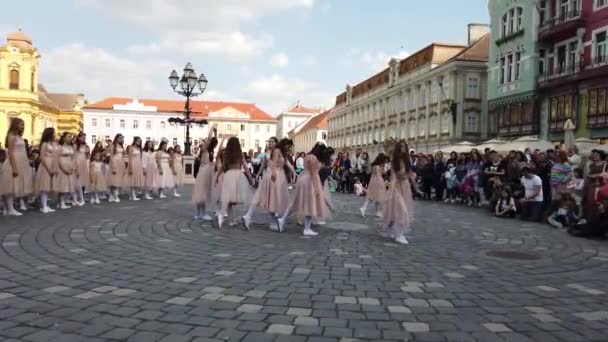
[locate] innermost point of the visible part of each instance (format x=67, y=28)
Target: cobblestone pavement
x=146, y=272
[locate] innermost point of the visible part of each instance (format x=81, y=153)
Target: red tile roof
x=298, y=108
x=199, y=108
x=319, y=121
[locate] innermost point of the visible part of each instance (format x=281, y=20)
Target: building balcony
x=563, y=73
x=561, y=27
x=512, y=35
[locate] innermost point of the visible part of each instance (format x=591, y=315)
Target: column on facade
x=484, y=116
x=461, y=87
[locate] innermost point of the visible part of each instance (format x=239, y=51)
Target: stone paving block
x=281, y=329
x=185, y=280
x=249, y=308
x=255, y=293
x=345, y=300
x=87, y=295
x=303, y=320
x=299, y=312
x=399, y=309
x=496, y=327
x=416, y=327
x=179, y=300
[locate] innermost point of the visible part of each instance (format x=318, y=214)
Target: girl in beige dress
x=47, y=170
x=116, y=168
x=202, y=190
x=136, y=178
x=81, y=153
x=150, y=170
x=178, y=169
x=65, y=182
x=376, y=190
x=16, y=178
x=272, y=194
x=236, y=188
x=166, y=180
x=97, y=179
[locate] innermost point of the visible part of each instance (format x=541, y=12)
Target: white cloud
x=279, y=60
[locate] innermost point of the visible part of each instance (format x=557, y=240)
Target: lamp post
x=190, y=85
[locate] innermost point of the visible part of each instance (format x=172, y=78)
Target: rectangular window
x=543, y=11
x=122, y=123
x=600, y=4
x=509, y=68
x=434, y=92
x=135, y=124
x=242, y=143
x=517, y=65
x=520, y=14
x=473, y=88
x=405, y=102
x=174, y=141
x=512, y=20
x=541, y=61
x=572, y=54
x=148, y=124
x=267, y=128
x=94, y=122
x=446, y=88
x=14, y=79
x=593, y=101
x=93, y=139
x=228, y=128
x=503, y=71
x=472, y=122
x=504, y=31
x=107, y=122
x=323, y=135
x=256, y=143
x=601, y=99
x=600, y=47
x=242, y=127
x=257, y=128
x=563, y=9
x=162, y=124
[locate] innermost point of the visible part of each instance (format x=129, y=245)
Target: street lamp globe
x=173, y=79
x=192, y=79
x=202, y=82
x=188, y=70
x=183, y=83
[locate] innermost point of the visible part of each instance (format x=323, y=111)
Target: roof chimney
x=476, y=32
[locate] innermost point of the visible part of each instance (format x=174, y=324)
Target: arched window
x=14, y=79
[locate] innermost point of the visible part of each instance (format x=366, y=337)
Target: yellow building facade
x=22, y=96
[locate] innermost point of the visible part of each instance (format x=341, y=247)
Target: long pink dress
x=97, y=179
x=273, y=196
x=178, y=167
x=82, y=166
x=116, y=169
x=310, y=199
x=44, y=179
x=65, y=181
x=151, y=181
x=136, y=167
x=166, y=180
x=235, y=188
x=376, y=190
x=201, y=193
x=22, y=185
x=399, y=205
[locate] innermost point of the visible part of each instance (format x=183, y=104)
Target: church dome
x=20, y=39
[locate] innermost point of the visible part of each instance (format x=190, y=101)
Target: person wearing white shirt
x=532, y=203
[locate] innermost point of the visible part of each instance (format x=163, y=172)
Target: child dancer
x=16, y=178
x=47, y=169
x=202, y=191
x=273, y=193
x=65, y=182
x=97, y=184
x=116, y=170
x=376, y=190
x=178, y=169
x=399, y=206
x=82, y=167
x=136, y=168
x=310, y=200
x=235, y=186
x=165, y=173
x=150, y=170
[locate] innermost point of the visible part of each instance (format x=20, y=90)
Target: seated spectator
x=359, y=189
x=505, y=207
x=565, y=215
x=532, y=202
x=597, y=226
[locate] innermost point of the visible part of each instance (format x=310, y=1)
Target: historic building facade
x=293, y=117
x=573, y=66
x=22, y=96
x=310, y=132
x=513, y=69
x=149, y=120
x=433, y=98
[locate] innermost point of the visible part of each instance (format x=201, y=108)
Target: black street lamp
x=188, y=84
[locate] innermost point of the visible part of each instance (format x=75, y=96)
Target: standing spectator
x=474, y=170
x=575, y=186
x=366, y=169
x=452, y=160
x=345, y=170
x=532, y=203
x=439, y=169
x=543, y=170
x=561, y=173
x=425, y=171
x=593, y=182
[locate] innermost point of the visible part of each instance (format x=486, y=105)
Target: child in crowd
x=505, y=207
x=566, y=214
x=97, y=184
x=452, y=184
x=331, y=184
x=359, y=189
x=576, y=188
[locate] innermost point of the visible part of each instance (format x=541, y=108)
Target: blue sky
x=271, y=52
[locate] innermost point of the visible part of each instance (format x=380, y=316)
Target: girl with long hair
x=178, y=169
x=310, y=201
x=97, y=180
x=116, y=171
x=273, y=193
x=218, y=179
x=81, y=150
x=202, y=190
x=16, y=178
x=165, y=173
x=65, y=183
x=151, y=181
x=398, y=209
x=236, y=183
x=376, y=190
x=136, y=168
x=47, y=170
x=272, y=142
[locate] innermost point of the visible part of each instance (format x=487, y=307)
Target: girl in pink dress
x=116, y=168
x=136, y=168
x=97, y=180
x=81, y=152
x=165, y=172
x=47, y=170
x=399, y=206
x=150, y=170
x=178, y=169
x=202, y=191
x=16, y=178
x=65, y=182
x=376, y=190
x=273, y=193
x=236, y=188
x=310, y=200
